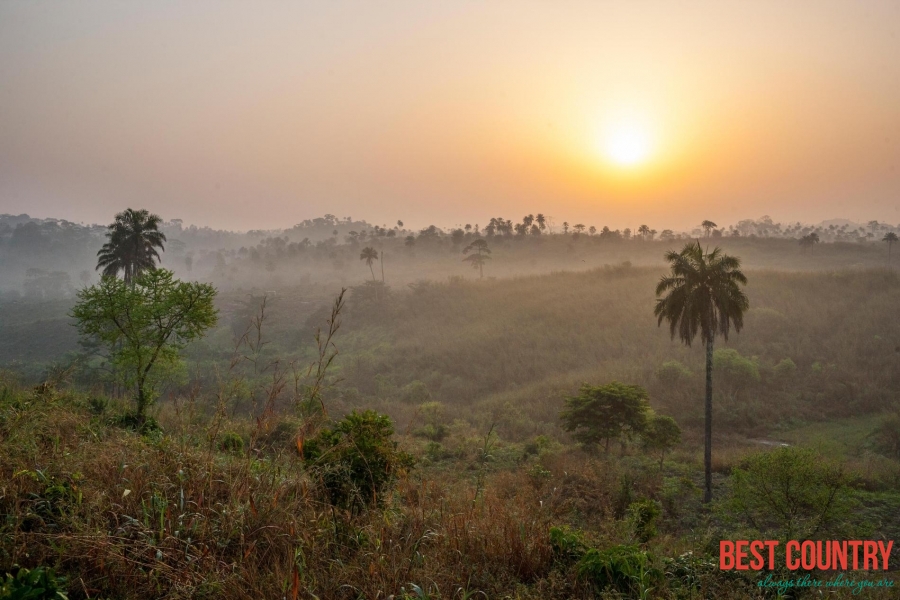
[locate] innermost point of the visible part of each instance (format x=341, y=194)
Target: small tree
x=601, y=413
x=480, y=255
x=144, y=324
x=661, y=435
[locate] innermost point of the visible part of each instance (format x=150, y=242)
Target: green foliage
x=415, y=392
x=672, y=372
x=356, y=459
x=886, y=436
x=660, y=435
x=785, y=368
x=568, y=545
x=231, y=442
x=624, y=569
x=144, y=325
x=793, y=492
x=602, y=413
x=643, y=516
x=33, y=584
x=735, y=368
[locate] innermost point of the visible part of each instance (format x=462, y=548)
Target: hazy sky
x=258, y=115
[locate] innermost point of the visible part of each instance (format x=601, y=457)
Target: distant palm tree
x=809, y=240
x=480, y=256
x=541, y=220
x=644, y=231
x=565, y=227
x=133, y=239
x=703, y=295
x=891, y=238
x=369, y=255
x=708, y=226
x=578, y=228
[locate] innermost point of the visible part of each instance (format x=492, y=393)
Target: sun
x=626, y=142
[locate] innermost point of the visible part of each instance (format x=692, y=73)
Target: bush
x=792, y=491
x=624, y=569
x=33, y=584
x=785, y=368
x=642, y=516
x=567, y=544
x=231, y=442
x=356, y=460
x=672, y=372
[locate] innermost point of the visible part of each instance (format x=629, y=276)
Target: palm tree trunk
x=707, y=437
x=372, y=271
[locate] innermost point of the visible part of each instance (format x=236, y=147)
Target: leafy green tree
x=891, y=238
x=356, y=459
x=660, y=435
x=370, y=255
x=144, y=324
x=480, y=251
x=601, y=413
x=132, y=247
x=792, y=491
x=702, y=295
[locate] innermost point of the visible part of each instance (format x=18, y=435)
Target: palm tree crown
x=132, y=247
x=703, y=294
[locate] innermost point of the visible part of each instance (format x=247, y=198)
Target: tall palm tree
x=708, y=226
x=703, y=295
x=133, y=239
x=369, y=255
x=541, y=221
x=644, y=231
x=891, y=238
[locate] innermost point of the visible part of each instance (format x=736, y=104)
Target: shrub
x=887, y=436
x=793, y=491
x=642, y=516
x=673, y=372
x=356, y=460
x=231, y=442
x=624, y=569
x=567, y=545
x=785, y=368
x=34, y=584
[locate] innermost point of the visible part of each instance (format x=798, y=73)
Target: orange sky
x=258, y=115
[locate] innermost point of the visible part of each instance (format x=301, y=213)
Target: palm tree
x=565, y=227
x=703, y=295
x=890, y=237
x=369, y=255
x=133, y=239
x=541, y=220
x=480, y=256
x=644, y=231
x=708, y=226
